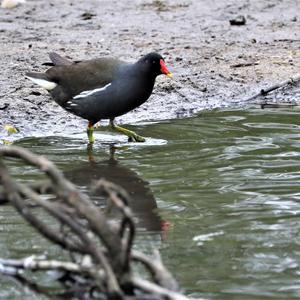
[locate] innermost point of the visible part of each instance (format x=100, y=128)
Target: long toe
x=138, y=138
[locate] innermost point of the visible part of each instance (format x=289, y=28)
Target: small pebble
x=238, y=21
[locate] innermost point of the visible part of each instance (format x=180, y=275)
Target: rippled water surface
x=218, y=194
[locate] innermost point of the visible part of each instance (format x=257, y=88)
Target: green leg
x=132, y=136
x=90, y=131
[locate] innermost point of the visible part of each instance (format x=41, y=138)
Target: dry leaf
x=11, y=3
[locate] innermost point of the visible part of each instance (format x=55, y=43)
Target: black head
x=153, y=64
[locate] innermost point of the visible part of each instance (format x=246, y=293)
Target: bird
x=101, y=88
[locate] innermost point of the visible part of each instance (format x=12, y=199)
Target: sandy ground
x=195, y=37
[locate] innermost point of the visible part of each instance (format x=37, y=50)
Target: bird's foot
x=132, y=136
x=136, y=138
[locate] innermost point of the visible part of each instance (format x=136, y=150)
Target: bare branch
x=264, y=92
x=100, y=252
x=120, y=199
x=153, y=288
x=33, y=263
x=158, y=271
x=11, y=190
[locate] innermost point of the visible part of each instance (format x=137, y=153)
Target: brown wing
x=83, y=76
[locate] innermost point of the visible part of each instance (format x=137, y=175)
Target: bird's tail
x=59, y=60
x=42, y=80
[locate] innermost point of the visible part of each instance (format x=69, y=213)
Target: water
x=218, y=194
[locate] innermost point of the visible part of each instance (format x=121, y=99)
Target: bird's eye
x=153, y=61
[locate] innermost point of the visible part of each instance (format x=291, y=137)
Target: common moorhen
x=102, y=88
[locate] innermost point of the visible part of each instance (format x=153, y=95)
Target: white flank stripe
x=48, y=85
x=91, y=92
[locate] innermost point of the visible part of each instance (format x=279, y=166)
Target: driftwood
x=101, y=255
x=264, y=92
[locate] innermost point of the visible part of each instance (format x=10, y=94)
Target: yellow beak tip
x=170, y=75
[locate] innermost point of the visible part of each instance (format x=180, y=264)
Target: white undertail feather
x=48, y=85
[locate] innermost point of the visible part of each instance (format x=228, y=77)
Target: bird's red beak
x=164, y=69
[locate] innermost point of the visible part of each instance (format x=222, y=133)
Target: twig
x=66, y=190
x=264, y=92
x=73, y=197
x=156, y=289
x=15, y=198
x=158, y=271
x=41, y=187
x=120, y=199
x=245, y=64
x=104, y=267
x=33, y=263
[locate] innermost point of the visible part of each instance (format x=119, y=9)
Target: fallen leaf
x=11, y=3
x=10, y=129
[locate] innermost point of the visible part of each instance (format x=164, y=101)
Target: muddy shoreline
x=195, y=37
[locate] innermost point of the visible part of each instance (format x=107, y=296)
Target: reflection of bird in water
x=142, y=201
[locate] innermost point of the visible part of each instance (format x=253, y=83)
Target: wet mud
x=216, y=62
